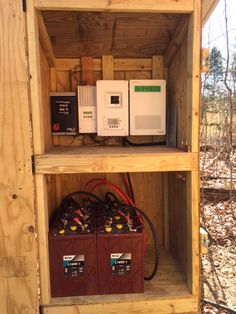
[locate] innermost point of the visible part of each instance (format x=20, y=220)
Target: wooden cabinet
x=126, y=40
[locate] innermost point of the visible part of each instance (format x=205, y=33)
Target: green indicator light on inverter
x=147, y=89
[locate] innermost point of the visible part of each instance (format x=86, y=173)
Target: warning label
x=120, y=263
x=73, y=265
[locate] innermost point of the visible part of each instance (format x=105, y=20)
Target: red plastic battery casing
x=78, y=276
x=126, y=277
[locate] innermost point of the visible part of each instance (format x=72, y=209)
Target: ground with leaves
x=218, y=216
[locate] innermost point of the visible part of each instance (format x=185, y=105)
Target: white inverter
x=147, y=107
x=112, y=108
x=87, y=109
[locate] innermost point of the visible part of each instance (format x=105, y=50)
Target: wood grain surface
x=18, y=252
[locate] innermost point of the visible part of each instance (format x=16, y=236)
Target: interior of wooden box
x=163, y=197
x=140, y=46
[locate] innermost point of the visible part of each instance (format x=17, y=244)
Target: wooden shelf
x=114, y=159
x=167, y=291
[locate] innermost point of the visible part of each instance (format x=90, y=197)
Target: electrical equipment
x=147, y=107
x=63, y=113
x=112, y=108
x=120, y=253
x=73, y=251
x=87, y=109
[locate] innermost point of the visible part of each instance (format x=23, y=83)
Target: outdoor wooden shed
x=45, y=45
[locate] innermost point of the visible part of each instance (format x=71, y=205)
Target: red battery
x=120, y=263
x=73, y=265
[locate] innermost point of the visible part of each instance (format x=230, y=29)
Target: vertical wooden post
x=107, y=68
x=87, y=70
x=157, y=68
x=18, y=249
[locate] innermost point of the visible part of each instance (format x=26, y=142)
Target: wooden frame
x=74, y=161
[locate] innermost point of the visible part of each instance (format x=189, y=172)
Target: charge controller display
x=63, y=113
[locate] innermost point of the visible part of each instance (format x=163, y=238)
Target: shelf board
x=105, y=159
x=167, y=291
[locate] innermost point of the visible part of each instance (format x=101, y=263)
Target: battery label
x=73, y=265
x=120, y=263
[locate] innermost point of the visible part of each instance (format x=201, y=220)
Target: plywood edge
x=154, y=6
x=185, y=304
x=120, y=162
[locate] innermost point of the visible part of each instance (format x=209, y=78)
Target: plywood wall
x=178, y=232
x=18, y=251
x=178, y=92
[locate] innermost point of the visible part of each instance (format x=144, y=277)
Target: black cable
x=130, y=187
x=103, y=141
x=126, y=141
x=110, y=194
x=156, y=263
x=80, y=193
x=219, y=306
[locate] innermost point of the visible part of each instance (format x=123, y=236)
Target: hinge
x=33, y=164
x=24, y=5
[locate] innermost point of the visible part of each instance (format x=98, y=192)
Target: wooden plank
x=45, y=73
x=87, y=70
x=43, y=221
x=133, y=64
x=167, y=6
x=208, y=6
x=45, y=40
x=176, y=40
x=164, y=306
x=193, y=79
x=119, y=64
x=35, y=81
x=157, y=68
x=193, y=226
x=107, y=68
x=114, y=159
x=18, y=248
x=71, y=64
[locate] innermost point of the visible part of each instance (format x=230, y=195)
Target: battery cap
x=108, y=229
x=73, y=228
x=119, y=226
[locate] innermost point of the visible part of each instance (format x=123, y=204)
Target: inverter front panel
x=147, y=107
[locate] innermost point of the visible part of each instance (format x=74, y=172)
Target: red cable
x=90, y=181
x=122, y=195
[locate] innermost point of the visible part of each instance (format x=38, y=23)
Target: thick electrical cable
x=156, y=260
x=71, y=195
x=108, y=196
x=125, y=141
